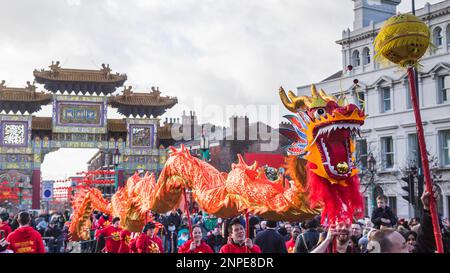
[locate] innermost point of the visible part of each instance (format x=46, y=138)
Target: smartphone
x=2, y=234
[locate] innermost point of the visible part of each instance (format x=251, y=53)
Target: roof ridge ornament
x=127, y=91
x=2, y=85
x=155, y=92
x=54, y=68
x=107, y=70
x=31, y=87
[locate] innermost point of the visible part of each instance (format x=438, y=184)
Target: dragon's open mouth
x=333, y=141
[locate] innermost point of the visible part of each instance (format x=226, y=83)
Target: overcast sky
x=211, y=54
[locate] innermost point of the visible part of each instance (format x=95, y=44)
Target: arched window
x=366, y=55
x=437, y=36
x=356, y=59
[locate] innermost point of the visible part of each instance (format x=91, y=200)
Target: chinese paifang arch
x=320, y=163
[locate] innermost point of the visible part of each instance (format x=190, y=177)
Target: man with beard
x=337, y=240
x=290, y=245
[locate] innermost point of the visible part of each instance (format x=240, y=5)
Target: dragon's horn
x=293, y=103
x=326, y=97
x=314, y=91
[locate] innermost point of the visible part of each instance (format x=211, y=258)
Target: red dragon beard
x=340, y=203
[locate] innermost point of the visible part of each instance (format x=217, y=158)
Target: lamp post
x=116, y=163
x=20, y=186
x=371, y=163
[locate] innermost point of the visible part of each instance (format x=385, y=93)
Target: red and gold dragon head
x=322, y=133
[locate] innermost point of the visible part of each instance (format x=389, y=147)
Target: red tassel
x=340, y=203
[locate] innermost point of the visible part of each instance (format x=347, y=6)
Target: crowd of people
x=169, y=233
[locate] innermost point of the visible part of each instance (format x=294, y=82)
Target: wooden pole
x=186, y=208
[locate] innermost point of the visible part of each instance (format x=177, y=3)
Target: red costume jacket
x=145, y=244
x=125, y=237
x=235, y=248
x=202, y=248
x=6, y=228
x=112, y=238
x=26, y=240
x=132, y=245
x=290, y=246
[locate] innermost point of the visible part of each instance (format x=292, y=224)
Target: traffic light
x=409, y=188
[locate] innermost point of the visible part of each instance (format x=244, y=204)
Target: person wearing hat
x=148, y=242
x=270, y=241
x=238, y=243
x=111, y=234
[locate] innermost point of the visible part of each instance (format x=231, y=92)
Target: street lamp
x=371, y=163
x=116, y=163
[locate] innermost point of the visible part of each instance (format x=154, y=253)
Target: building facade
x=80, y=100
x=389, y=132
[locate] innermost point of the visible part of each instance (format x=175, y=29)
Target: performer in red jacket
x=148, y=242
x=196, y=245
x=112, y=236
x=132, y=245
x=125, y=237
x=238, y=242
x=25, y=239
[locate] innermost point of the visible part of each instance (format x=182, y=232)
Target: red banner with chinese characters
x=6, y=193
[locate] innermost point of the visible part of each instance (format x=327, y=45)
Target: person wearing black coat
x=308, y=240
x=174, y=218
x=53, y=232
x=270, y=241
x=425, y=242
x=215, y=240
x=383, y=215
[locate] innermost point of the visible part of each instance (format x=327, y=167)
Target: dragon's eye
x=320, y=112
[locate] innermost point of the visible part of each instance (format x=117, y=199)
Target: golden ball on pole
x=403, y=40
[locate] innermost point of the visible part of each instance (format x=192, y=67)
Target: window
x=385, y=99
x=387, y=152
x=366, y=56
x=361, y=153
x=412, y=147
x=408, y=97
x=356, y=59
x=443, y=86
x=360, y=100
x=444, y=147
x=392, y=203
x=437, y=35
